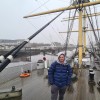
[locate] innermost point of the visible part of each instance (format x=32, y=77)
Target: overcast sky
x=13, y=26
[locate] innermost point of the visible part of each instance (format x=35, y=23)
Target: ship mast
x=78, y=6
x=84, y=31
x=80, y=38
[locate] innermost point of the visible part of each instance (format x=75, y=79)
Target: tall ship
x=84, y=58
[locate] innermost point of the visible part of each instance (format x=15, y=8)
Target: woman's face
x=61, y=58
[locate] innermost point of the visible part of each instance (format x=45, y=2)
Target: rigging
x=13, y=55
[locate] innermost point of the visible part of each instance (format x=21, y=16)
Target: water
x=34, y=59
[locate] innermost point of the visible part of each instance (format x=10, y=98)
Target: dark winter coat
x=59, y=74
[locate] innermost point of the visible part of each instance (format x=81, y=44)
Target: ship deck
x=36, y=87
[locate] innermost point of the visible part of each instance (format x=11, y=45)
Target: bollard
x=90, y=70
x=13, y=88
x=98, y=83
x=98, y=86
x=91, y=76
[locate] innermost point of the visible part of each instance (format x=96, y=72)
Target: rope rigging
x=59, y=36
x=70, y=29
x=69, y=33
x=96, y=23
x=14, y=53
x=44, y=37
x=92, y=52
x=66, y=43
x=40, y=6
x=91, y=44
x=96, y=38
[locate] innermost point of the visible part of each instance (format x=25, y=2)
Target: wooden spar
x=68, y=31
x=67, y=19
x=77, y=17
x=78, y=31
x=64, y=8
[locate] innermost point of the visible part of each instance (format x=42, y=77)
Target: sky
x=14, y=26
